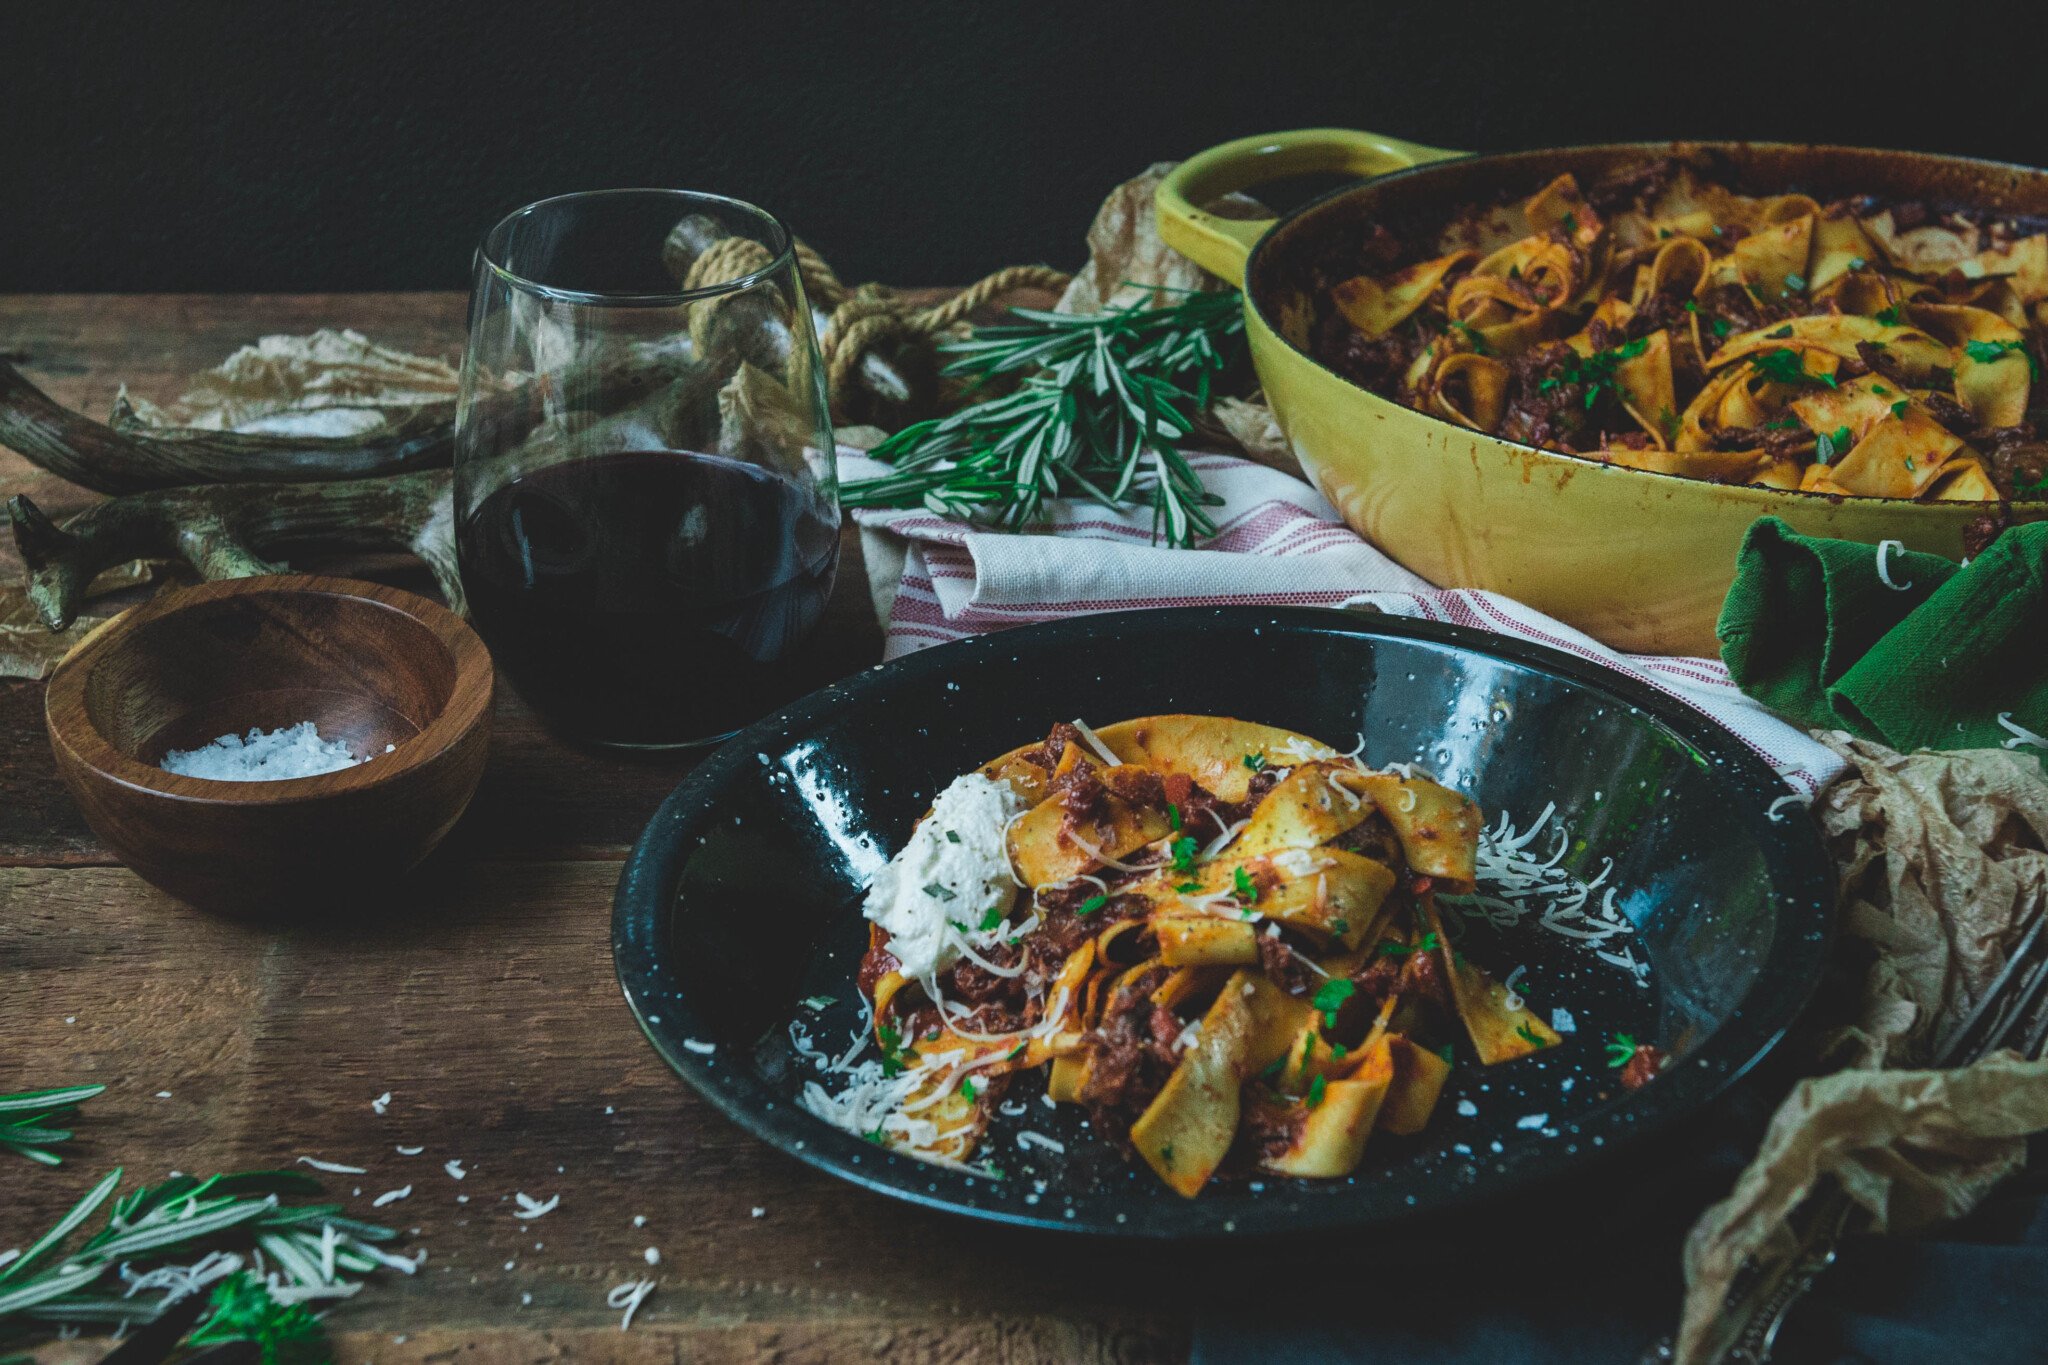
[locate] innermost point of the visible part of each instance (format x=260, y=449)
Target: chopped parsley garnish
x=1317, y=1086
x=1241, y=882
x=1857, y=263
x=1447, y=1053
x=970, y=1089
x=1795, y=284
x=1528, y=1035
x=1256, y=762
x=1909, y=463
x=1787, y=366
x=1596, y=371
x=1621, y=1050
x=1166, y=1155
x=1188, y=888
x=1338, y=1052
x=938, y=892
x=1667, y=422
x=1426, y=944
x=1899, y=408
x=874, y=1135
x=1173, y=816
x=992, y=918
x=1781, y=333
x=952, y=836
x=1273, y=1067
x=1330, y=998
x=1092, y=904
x=1692, y=305
x=1184, y=849
x=1880, y=390
x=819, y=1002
x=896, y=1058
x=1889, y=316
x=1340, y=926
x=1829, y=444
x=1571, y=223
x=1987, y=351
x=1782, y=424
x=1015, y=1053
x=1473, y=338
x=1722, y=327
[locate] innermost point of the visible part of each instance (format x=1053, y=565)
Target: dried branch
x=97, y=456
x=228, y=530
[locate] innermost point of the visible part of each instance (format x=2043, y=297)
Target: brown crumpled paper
x=30, y=649
x=331, y=383
x=1944, y=863
x=1128, y=263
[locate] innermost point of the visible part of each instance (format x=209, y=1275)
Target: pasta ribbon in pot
x=1660, y=320
x=1219, y=938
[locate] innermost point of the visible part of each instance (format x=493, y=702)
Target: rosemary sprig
x=1102, y=404
x=28, y=1120
x=310, y=1248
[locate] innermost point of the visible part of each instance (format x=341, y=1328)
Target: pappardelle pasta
x=1220, y=938
x=1664, y=322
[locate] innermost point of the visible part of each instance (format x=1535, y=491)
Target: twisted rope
x=861, y=321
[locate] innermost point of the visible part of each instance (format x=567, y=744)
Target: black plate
x=742, y=897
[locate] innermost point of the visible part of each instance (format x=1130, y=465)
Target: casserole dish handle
x=1220, y=245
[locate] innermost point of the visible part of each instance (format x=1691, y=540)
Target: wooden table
x=484, y=1002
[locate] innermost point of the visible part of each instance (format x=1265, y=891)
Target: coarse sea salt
x=264, y=756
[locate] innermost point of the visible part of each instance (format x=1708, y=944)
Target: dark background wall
x=294, y=146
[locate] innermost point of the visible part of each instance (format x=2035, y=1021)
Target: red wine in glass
x=649, y=597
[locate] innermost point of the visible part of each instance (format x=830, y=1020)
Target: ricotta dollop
x=954, y=871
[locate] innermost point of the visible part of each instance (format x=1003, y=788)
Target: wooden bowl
x=367, y=664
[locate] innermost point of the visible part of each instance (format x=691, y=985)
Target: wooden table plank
x=484, y=1002
x=483, y=999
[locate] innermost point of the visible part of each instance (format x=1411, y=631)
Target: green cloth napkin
x=1812, y=630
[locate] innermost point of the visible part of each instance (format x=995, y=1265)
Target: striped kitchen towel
x=1278, y=543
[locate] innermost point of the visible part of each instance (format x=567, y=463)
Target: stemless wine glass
x=646, y=499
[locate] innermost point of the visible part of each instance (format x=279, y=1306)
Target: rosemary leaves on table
x=1102, y=405
x=29, y=1120
x=309, y=1250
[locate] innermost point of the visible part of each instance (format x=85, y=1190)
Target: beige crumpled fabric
x=331, y=383
x=1944, y=863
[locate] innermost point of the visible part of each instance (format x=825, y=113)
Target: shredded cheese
x=1884, y=548
x=1095, y=743
x=629, y=1296
x=1515, y=882
x=331, y=1167
x=531, y=1208
x=2020, y=733
x=1788, y=799
x=1223, y=840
